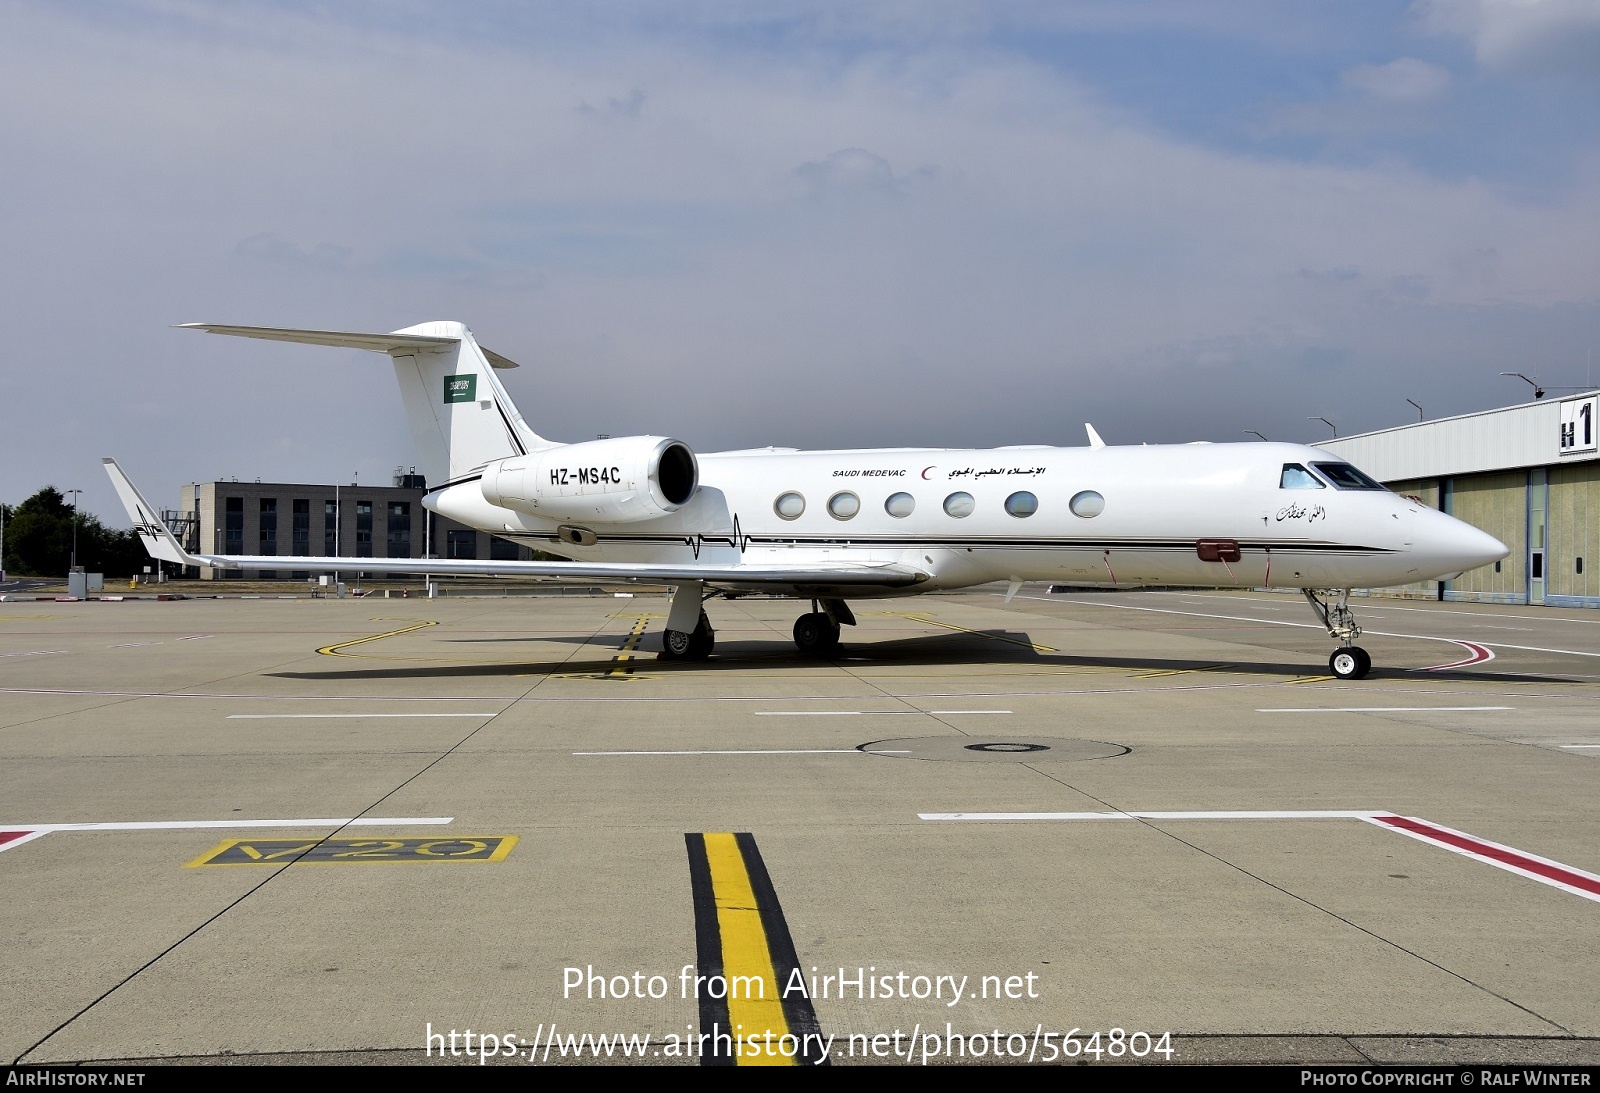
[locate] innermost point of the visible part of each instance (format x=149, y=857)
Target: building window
x=363, y=529
x=502, y=550
x=461, y=544
x=269, y=526
x=233, y=525
x=330, y=529
x=302, y=527
x=399, y=529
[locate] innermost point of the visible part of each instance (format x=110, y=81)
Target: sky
x=816, y=224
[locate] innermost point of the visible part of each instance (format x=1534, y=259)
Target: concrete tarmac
x=1154, y=813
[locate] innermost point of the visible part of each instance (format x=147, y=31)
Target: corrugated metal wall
x=1498, y=504
x=1574, y=533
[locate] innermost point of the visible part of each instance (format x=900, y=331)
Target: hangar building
x=1528, y=475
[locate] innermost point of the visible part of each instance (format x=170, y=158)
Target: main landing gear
x=693, y=644
x=1352, y=661
x=817, y=634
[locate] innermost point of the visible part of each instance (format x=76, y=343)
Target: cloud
x=855, y=174
x=270, y=248
x=1404, y=80
x=765, y=220
x=1374, y=98
x=1522, y=36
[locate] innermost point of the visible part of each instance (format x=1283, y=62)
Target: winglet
x=158, y=538
x=1094, y=437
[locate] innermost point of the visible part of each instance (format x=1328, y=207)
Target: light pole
x=1419, y=408
x=75, y=494
x=1252, y=432
x=1328, y=423
x=1538, y=392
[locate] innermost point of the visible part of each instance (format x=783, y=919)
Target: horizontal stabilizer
x=378, y=343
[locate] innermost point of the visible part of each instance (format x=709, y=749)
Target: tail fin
x=460, y=416
x=157, y=537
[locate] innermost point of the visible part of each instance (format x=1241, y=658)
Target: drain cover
x=1006, y=749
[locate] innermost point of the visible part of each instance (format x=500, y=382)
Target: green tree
x=39, y=540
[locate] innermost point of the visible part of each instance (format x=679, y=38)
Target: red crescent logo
x=925, y=471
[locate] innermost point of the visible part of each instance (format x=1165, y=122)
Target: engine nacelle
x=617, y=481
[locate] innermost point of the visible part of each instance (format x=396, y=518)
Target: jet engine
x=614, y=481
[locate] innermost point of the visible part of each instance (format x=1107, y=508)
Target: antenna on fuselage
x=1094, y=437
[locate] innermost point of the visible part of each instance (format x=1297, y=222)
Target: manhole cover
x=1004, y=749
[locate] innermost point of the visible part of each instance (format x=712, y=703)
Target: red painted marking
x=1479, y=654
x=8, y=836
x=1547, y=870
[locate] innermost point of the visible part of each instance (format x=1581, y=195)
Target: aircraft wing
x=163, y=545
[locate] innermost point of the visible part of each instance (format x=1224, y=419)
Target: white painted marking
x=301, y=716
x=1489, y=626
x=772, y=751
x=869, y=713
x=198, y=825
x=1312, y=626
x=133, y=645
x=1580, y=745
x=1388, y=709
x=195, y=637
x=34, y=653
x=1556, y=874
x=1316, y=814
x=36, y=831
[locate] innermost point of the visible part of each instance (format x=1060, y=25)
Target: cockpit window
x=1346, y=477
x=1296, y=477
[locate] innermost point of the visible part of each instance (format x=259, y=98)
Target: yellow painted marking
x=1309, y=679
x=1179, y=671
x=744, y=950
x=984, y=634
x=357, y=850
x=336, y=650
x=622, y=663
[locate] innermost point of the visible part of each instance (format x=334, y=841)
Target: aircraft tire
x=815, y=635
x=694, y=644
x=702, y=640
x=1350, y=663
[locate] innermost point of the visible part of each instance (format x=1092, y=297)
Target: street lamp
x=1538, y=392
x=75, y=494
x=1328, y=423
x=1419, y=409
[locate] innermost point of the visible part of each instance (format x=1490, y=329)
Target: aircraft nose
x=1453, y=546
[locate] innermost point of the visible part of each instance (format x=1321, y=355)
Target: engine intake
x=616, y=481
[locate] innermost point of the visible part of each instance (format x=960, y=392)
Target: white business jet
x=831, y=526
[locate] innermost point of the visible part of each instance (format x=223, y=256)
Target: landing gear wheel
x=689, y=645
x=816, y=635
x=1350, y=663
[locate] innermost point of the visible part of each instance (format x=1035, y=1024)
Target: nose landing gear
x=1352, y=661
